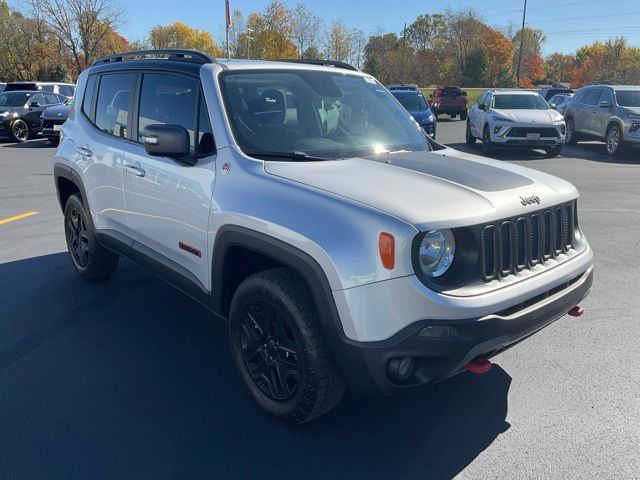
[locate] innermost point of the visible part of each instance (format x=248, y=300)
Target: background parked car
x=449, y=100
x=67, y=90
x=51, y=122
x=515, y=119
x=403, y=86
x=415, y=103
x=605, y=112
x=559, y=102
x=555, y=89
x=20, y=112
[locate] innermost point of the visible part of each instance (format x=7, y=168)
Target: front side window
x=112, y=106
x=319, y=113
x=17, y=99
x=51, y=99
x=169, y=99
x=628, y=98
x=38, y=98
x=519, y=102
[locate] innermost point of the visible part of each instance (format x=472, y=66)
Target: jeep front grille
x=519, y=243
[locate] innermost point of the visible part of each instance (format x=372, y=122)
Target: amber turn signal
x=387, y=246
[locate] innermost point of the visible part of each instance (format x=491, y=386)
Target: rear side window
x=592, y=97
x=66, y=90
x=88, y=96
x=113, y=103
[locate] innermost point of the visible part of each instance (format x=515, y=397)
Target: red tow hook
x=478, y=366
x=576, y=311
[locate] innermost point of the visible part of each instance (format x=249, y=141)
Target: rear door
x=602, y=113
x=168, y=201
x=584, y=115
x=99, y=154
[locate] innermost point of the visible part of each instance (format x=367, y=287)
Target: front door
x=167, y=200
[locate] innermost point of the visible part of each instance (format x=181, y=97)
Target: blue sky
x=569, y=24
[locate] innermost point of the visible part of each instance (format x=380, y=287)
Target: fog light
x=496, y=129
x=438, y=331
x=401, y=368
x=634, y=127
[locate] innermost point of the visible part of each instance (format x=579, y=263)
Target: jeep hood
x=445, y=188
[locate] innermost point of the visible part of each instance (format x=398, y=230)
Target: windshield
x=519, y=102
x=318, y=113
x=13, y=99
x=628, y=98
x=412, y=102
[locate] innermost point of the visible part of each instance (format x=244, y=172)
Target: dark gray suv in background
x=605, y=112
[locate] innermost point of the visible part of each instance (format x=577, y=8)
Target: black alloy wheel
x=77, y=239
x=20, y=131
x=270, y=350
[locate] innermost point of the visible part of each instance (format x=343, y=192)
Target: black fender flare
x=343, y=349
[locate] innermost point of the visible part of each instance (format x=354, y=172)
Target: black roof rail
x=173, y=54
x=323, y=63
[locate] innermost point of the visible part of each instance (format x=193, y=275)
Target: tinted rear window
x=20, y=86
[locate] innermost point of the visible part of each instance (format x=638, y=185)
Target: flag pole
x=228, y=24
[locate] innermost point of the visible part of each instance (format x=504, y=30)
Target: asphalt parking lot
x=128, y=378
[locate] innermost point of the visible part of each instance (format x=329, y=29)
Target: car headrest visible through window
x=269, y=108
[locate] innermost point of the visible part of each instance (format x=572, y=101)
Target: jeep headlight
x=435, y=252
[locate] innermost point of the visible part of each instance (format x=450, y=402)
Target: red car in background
x=449, y=100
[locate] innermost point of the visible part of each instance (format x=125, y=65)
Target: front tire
x=463, y=115
x=90, y=259
x=468, y=136
x=20, y=131
x=277, y=346
x=552, y=152
x=613, y=140
x=487, y=145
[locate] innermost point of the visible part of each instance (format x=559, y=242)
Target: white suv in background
x=518, y=119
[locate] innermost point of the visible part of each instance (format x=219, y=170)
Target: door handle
x=130, y=169
x=84, y=151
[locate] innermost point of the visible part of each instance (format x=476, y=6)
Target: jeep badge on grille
x=530, y=200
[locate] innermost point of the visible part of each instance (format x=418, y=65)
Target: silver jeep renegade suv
x=303, y=205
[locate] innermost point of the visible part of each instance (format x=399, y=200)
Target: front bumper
x=364, y=365
x=527, y=135
x=50, y=128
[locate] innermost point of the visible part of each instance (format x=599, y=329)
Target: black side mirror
x=34, y=105
x=162, y=140
x=604, y=104
x=553, y=106
x=482, y=107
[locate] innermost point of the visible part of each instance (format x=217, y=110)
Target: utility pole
x=404, y=48
x=249, y=38
x=524, y=15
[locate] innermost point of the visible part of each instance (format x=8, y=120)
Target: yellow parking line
x=17, y=217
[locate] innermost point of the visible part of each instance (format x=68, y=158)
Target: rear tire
x=277, y=346
x=470, y=139
x=570, y=138
x=463, y=115
x=487, y=145
x=90, y=259
x=613, y=140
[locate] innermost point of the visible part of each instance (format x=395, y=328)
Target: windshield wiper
x=295, y=155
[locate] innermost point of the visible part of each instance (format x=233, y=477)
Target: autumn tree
x=306, y=28
x=82, y=26
x=425, y=30
x=528, y=54
x=179, y=35
x=498, y=51
x=464, y=29
x=271, y=31
x=338, y=42
x=558, y=67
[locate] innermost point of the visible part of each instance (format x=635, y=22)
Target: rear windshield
x=451, y=91
x=519, y=102
x=16, y=99
x=628, y=98
x=412, y=102
x=20, y=86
